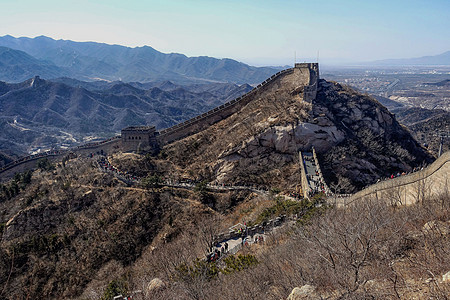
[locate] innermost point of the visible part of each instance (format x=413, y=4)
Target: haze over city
x=254, y=32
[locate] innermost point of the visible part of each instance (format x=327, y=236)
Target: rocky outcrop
x=437, y=228
x=375, y=144
x=446, y=277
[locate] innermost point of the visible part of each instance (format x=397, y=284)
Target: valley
x=64, y=116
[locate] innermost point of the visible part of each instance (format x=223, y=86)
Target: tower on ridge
x=139, y=139
x=310, y=89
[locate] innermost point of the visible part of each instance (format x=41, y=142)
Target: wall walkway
x=217, y=114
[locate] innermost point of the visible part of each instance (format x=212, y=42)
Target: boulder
x=154, y=285
x=436, y=227
x=446, y=277
x=307, y=292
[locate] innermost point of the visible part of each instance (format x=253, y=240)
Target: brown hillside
x=355, y=136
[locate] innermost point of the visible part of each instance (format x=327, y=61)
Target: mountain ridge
x=38, y=111
x=439, y=59
x=87, y=60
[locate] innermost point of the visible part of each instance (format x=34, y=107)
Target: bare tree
x=343, y=244
x=342, y=184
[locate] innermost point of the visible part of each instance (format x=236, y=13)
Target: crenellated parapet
x=417, y=187
x=215, y=115
x=138, y=139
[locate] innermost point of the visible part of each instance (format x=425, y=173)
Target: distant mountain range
x=16, y=66
x=441, y=59
x=42, y=113
x=22, y=58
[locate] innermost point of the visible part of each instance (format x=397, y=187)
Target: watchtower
x=139, y=139
x=310, y=89
x=313, y=67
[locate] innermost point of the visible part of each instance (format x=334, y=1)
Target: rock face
x=354, y=136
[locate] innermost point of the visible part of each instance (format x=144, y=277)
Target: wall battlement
x=138, y=138
x=310, y=90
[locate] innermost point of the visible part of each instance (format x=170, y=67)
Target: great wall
x=407, y=189
x=309, y=77
x=146, y=138
x=412, y=188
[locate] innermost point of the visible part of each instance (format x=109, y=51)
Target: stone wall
x=319, y=170
x=306, y=189
x=138, y=138
x=215, y=115
x=307, y=74
x=408, y=189
x=30, y=162
x=310, y=90
x=9, y=171
x=109, y=146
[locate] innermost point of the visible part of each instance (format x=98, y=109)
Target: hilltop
x=355, y=136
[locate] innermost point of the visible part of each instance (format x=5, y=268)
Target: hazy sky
x=257, y=32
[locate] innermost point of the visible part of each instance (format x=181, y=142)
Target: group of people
x=107, y=166
x=241, y=230
x=259, y=239
x=398, y=174
x=218, y=252
x=295, y=195
x=318, y=185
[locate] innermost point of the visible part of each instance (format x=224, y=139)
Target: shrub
x=281, y=207
x=45, y=165
x=241, y=262
x=275, y=191
x=151, y=182
x=114, y=288
x=198, y=269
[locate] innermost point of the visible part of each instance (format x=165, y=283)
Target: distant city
x=425, y=87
